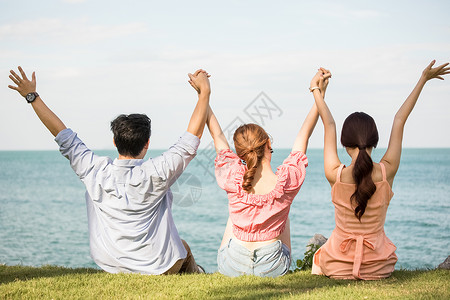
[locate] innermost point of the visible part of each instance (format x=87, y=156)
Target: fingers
x=206, y=73
x=196, y=73
x=17, y=77
x=441, y=67
x=193, y=85
x=24, y=76
x=14, y=79
x=439, y=71
x=200, y=71
x=324, y=71
x=13, y=87
x=33, y=77
x=431, y=64
x=191, y=77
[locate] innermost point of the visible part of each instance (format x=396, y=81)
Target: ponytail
x=365, y=187
x=359, y=130
x=252, y=163
x=250, y=141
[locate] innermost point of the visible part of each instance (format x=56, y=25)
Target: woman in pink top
x=358, y=248
x=257, y=236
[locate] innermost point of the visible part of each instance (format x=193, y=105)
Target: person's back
x=257, y=236
x=130, y=221
x=358, y=247
x=128, y=200
x=354, y=239
x=375, y=213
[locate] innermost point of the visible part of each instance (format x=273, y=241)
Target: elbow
x=399, y=119
x=330, y=124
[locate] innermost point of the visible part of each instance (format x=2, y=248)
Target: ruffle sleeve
x=229, y=170
x=293, y=170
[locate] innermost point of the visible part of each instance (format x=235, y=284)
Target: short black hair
x=131, y=133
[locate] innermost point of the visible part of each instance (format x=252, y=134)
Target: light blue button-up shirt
x=129, y=205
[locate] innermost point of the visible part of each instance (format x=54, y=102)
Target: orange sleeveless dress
x=357, y=250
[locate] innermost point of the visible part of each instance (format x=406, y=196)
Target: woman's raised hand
x=315, y=80
x=438, y=72
x=199, y=81
x=323, y=82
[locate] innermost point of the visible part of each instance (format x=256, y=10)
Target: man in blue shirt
x=128, y=199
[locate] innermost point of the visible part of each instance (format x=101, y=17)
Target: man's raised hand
x=24, y=85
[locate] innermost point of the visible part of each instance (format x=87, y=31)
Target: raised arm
x=330, y=156
x=220, y=141
x=200, y=81
x=26, y=87
x=302, y=139
x=391, y=158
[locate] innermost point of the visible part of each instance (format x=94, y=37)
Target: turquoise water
x=43, y=215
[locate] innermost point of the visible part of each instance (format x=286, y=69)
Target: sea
x=43, y=217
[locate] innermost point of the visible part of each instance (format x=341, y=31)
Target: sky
x=95, y=60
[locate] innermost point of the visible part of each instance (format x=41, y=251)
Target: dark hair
x=250, y=141
x=359, y=130
x=131, y=133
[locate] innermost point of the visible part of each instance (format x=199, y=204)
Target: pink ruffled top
x=259, y=217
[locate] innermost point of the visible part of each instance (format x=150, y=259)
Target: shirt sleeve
x=82, y=160
x=229, y=170
x=293, y=171
x=171, y=164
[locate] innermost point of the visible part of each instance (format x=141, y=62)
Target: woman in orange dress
x=358, y=247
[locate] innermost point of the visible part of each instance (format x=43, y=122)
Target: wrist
x=423, y=79
x=204, y=92
x=313, y=88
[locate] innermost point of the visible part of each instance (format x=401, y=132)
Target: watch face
x=30, y=97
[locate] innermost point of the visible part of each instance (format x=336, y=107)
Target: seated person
x=358, y=247
x=128, y=199
x=257, y=237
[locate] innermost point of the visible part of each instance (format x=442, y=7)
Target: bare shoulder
x=347, y=174
x=377, y=173
x=391, y=170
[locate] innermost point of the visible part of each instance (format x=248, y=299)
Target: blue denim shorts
x=271, y=260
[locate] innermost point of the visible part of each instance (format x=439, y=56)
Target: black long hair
x=359, y=130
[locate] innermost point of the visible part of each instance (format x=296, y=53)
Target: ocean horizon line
x=203, y=149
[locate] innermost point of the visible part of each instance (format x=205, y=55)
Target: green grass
x=50, y=282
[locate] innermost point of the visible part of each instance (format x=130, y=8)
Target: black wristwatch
x=30, y=97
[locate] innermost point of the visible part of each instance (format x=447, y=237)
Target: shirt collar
x=127, y=162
